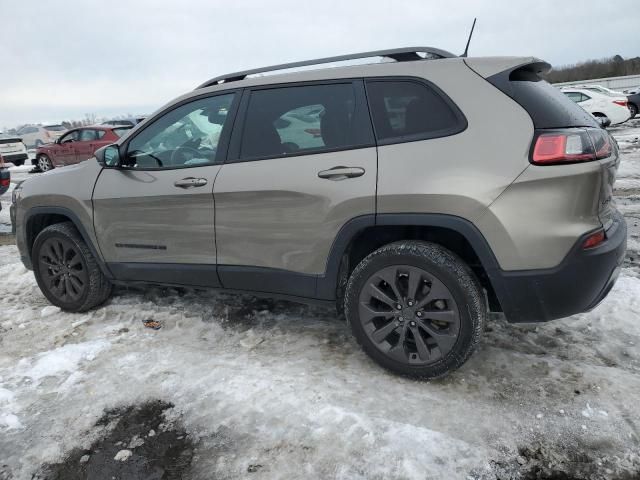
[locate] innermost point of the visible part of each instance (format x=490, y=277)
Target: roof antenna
x=466, y=50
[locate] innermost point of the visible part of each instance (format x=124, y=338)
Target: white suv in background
x=600, y=105
x=12, y=149
x=36, y=135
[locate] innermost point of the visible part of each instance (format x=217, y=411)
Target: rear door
x=301, y=165
x=154, y=218
x=90, y=140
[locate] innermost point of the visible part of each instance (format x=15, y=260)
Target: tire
x=18, y=163
x=76, y=286
x=634, y=109
x=45, y=163
x=447, y=311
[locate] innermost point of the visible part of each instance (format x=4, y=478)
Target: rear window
x=303, y=119
x=121, y=131
x=406, y=110
x=55, y=128
x=547, y=106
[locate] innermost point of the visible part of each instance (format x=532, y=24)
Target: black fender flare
x=327, y=283
x=73, y=218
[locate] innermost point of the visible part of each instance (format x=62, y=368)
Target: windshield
x=54, y=128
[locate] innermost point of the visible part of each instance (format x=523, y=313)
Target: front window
x=186, y=136
x=70, y=137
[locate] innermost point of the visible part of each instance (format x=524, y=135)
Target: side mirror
x=109, y=156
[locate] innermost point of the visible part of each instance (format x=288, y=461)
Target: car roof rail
x=398, y=54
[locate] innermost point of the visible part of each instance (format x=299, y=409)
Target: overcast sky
x=60, y=60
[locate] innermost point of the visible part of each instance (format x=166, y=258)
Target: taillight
x=570, y=146
x=594, y=240
x=622, y=103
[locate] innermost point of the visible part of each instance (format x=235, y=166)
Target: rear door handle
x=341, y=173
x=190, y=182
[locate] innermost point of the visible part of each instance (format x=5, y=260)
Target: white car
x=37, y=135
x=600, y=89
x=12, y=150
x=600, y=105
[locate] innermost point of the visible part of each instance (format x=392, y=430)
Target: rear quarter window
x=547, y=106
x=409, y=110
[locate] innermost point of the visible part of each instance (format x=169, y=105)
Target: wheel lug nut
x=410, y=303
x=399, y=307
x=413, y=324
x=400, y=319
x=418, y=314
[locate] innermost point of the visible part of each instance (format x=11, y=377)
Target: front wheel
x=44, y=162
x=416, y=308
x=66, y=270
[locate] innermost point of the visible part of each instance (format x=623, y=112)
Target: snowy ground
x=274, y=390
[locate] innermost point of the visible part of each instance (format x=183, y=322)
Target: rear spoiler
x=10, y=139
x=488, y=66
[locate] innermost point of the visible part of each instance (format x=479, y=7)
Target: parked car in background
x=13, y=150
x=130, y=121
x=36, y=135
x=633, y=102
x=77, y=145
x=633, y=98
x=600, y=89
x=600, y=105
x=5, y=178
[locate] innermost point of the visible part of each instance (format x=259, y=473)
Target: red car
x=76, y=145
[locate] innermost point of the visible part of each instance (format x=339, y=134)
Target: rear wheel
x=18, y=163
x=44, y=162
x=66, y=270
x=634, y=109
x=415, y=308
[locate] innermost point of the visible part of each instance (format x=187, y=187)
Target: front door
x=154, y=217
x=63, y=151
x=304, y=167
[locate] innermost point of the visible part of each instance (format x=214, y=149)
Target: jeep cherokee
x=416, y=194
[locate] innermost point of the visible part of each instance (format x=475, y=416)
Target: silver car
x=414, y=194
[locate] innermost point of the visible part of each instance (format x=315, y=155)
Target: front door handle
x=190, y=182
x=341, y=173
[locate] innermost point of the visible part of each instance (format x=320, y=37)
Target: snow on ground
x=284, y=387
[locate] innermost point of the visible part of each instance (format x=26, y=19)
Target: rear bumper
x=15, y=157
x=578, y=284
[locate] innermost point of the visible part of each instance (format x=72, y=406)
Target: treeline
x=606, y=67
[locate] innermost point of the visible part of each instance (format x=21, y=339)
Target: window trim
x=225, y=134
x=361, y=107
x=461, y=120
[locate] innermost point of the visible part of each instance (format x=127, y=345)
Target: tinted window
x=406, y=110
x=55, y=128
x=303, y=119
x=547, y=106
x=185, y=136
